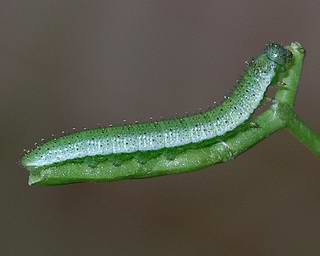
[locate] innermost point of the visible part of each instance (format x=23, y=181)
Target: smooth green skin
x=188, y=158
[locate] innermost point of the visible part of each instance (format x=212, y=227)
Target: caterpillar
x=135, y=150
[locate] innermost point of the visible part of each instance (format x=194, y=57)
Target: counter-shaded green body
x=151, y=149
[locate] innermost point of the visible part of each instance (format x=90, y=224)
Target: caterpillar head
x=277, y=53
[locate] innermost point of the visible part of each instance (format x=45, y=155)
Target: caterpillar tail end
x=34, y=179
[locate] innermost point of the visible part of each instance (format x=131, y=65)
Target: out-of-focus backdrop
x=66, y=64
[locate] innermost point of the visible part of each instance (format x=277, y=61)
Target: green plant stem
x=280, y=115
x=286, y=100
x=305, y=135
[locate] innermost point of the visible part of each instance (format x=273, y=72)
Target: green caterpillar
x=135, y=151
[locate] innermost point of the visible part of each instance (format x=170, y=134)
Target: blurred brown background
x=67, y=64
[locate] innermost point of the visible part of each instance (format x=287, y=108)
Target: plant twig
x=304, y=134
x=280, y=115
